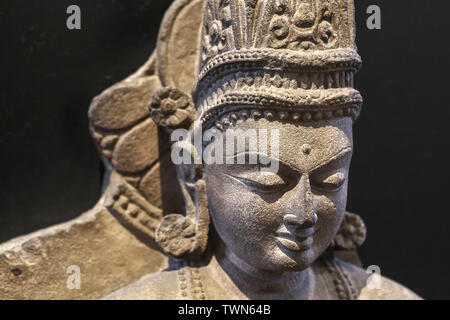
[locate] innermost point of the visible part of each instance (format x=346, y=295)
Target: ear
x=187, y=235
x=182, y=235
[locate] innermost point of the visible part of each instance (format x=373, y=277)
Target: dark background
x=51, y=172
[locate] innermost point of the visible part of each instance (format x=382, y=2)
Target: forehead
x=303, y=145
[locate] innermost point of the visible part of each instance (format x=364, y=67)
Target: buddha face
x=284, y=220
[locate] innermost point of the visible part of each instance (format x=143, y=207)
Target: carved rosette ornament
x=172, y=108
x=351, y=234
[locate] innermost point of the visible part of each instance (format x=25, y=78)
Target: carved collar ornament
x=299, y=55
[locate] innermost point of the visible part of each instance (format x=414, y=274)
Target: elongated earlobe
x=187, y=235
x=182, y=235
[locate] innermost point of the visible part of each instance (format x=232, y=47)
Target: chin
x=291, y=261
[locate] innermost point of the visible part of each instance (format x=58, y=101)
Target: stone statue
x=229, y=228
x=283, y=66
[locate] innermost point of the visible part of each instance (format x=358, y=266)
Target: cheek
x=330, y=211
x=243, y=220
x=327, y=211
x=237, y=211
x=331, y=205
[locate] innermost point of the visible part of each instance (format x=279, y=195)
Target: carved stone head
x=282, y=69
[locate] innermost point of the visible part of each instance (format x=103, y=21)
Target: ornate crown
x=298, y=54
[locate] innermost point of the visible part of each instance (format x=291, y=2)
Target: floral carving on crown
x=218, y=35
x=303, y=25
x=298, y=25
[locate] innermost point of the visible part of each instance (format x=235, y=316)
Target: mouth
x=295, y=244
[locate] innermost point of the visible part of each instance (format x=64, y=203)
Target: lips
x=301, y=242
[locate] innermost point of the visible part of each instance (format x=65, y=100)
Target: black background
x=51, y=172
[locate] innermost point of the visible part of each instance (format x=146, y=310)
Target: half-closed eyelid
x=260, y=177
x=330, y=182
x=269, y=183
x=336, y=178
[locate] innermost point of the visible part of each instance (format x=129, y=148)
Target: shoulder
x=158, y=286
x=377, y=287
x=386, y=289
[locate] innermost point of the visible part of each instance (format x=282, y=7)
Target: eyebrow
x=337, y=156
x=340, y=154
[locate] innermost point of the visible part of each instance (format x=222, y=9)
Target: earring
x=351, y=234
x=181, y=235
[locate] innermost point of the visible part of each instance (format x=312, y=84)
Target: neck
x=260, y=284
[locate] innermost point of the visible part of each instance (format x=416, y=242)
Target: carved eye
x=262, y=182
x=327, y=182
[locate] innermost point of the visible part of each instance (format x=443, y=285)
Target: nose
x=301, y=209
